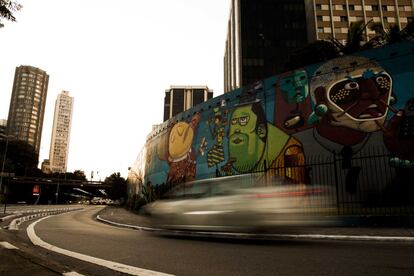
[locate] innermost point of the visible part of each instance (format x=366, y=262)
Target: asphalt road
x=79, y=232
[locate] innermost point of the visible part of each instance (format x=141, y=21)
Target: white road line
x=267, y=236
x=132, y=270
x=72, y=273
x=8, y=245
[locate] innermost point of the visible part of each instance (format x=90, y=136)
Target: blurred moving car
x=243, y=203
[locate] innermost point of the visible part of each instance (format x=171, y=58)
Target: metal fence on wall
x=361, y=184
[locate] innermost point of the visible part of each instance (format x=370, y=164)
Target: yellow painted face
x=181, y=137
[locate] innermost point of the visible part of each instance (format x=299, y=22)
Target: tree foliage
x=76, y=175
x=118, y=185
x=315, y=52
x=21, y=158
x=7, y=8
x=322, y=50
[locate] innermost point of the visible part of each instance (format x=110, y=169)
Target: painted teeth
x=372, y=106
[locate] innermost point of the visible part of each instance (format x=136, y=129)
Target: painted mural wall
x=348, y=107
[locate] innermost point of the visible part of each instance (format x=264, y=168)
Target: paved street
x=79, y=232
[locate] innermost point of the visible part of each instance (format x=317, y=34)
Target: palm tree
x=315, y=52
x=7, y=8
x=355, y=38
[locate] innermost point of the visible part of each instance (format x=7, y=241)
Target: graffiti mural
x=292, y=101
x=337, y=112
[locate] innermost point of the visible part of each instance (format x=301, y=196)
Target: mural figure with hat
x=176, y=148
x=254, y=142
x=216, y=154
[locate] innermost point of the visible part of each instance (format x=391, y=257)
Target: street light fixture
x=6, y=137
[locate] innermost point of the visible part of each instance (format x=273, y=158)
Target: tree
x=21, y=158
x=315, y=52
x=118, y=185
x=79, y=175
x=7, y=8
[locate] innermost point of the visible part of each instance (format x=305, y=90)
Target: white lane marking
x=8, y=245
x=72, y=273
x=132, y=270
x=267, y=236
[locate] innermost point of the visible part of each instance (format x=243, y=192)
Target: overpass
x=51, y=190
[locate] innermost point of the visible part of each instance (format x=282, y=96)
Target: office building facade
x=180, y=98
x=3, y=126
x=62, y=121
x=27, y=105
x=260, y=36
x=331, y=18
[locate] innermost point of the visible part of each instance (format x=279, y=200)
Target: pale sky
x=116, y=58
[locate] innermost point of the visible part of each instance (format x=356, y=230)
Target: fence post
x=336, y=180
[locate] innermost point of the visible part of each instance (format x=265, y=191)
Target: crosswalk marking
x=8, y=245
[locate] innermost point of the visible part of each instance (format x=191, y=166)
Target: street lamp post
x=4, y=162
x=2, y=172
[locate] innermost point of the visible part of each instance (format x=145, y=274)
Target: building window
x=320, y=29
x=319, y=18
x=344, y=19
x=351, y=7
x=375, y=7
x=318, y=7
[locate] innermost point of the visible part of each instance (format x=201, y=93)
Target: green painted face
x=294, y=87
x=245, y=145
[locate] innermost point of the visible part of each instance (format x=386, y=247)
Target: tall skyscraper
x=327, y=18
x=27, y=105
x=260, y=35
x=180, y=98
x=3, y=126
x=62, y=121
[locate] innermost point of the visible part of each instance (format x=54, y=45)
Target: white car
x=243, y=203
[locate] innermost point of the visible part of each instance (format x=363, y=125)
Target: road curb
x=263, y=236
x=14, y=224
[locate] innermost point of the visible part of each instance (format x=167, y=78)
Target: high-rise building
x=327, y=18
x=27, y=105
x=261, y=34
x=180, y=98
x=59, y=145
x=3, y=125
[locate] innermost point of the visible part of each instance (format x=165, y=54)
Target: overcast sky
x=116, y=58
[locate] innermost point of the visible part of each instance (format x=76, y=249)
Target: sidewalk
x=121, y=215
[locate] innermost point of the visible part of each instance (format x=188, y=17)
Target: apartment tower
x=180, y=98
x=27, y=105
x=331, y=18
x=260, y=36
x=59, y=145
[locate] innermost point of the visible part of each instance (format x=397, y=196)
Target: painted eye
x=351, y=85
x=380, y=79
x=244, y=120
x=234, y=121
